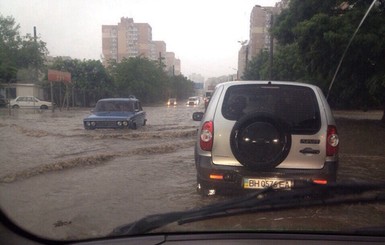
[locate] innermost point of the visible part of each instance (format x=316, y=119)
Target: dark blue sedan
x=116, y=113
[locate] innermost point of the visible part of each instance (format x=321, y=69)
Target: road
x=61, y=181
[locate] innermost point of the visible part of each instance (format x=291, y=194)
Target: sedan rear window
x=296, y=105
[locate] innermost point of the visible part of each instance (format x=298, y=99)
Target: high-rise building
x=260, y=40
x=109, y=43
x=177, y=67
x=158, y=51
x=129, y=39
x=260, y=23
x=172, y=64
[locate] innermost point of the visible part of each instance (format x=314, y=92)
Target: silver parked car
x=29, y=102
x=257, y=134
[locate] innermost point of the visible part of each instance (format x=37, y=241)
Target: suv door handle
x=308, y=150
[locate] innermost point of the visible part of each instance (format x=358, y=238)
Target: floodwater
x=63, y=182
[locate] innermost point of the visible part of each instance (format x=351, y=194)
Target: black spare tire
x=260, y=140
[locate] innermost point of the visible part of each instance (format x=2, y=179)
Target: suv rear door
x=297, y=105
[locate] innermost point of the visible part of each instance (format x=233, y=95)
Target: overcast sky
x=203, y=34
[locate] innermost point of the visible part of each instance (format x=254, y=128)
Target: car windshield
x=235, y=108
x=110, y=106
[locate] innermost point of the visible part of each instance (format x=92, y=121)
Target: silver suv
x=257, y=134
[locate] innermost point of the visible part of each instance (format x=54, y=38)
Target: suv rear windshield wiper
x=268, y=199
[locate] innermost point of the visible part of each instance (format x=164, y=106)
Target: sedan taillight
x=206, y=137
x=332, y=141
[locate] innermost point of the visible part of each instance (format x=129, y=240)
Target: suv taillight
x=332, y=141
x=206, y=137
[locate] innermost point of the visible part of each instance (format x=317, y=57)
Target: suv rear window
x=296, y=105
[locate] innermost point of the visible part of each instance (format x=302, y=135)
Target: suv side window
x=296, y=105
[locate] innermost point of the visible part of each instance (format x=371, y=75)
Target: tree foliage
x=9, y=44
x=147, y=80
x=85, y=74
x=89, y=77
x=18, y=52
x=180, y=87
x=312, y=36
x=256, y=68
x=140, y=77
x=287, y=65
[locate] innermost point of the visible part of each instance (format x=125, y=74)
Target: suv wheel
x=260, y=140
x=203, y=191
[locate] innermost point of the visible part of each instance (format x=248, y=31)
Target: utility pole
x=271, y=49
x=160, y=59
x=36, y=68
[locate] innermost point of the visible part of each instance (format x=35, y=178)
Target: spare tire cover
x=260, y=140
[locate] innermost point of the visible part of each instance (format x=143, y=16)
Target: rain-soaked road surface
x=61, y=181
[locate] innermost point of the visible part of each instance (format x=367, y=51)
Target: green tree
x=256, y=67
x=321, y=30
x=140, y=77
x=287, y=65
x=9, y=45
x=181, y=87
x=18, y=52
x=90, y=79
x=147, y=80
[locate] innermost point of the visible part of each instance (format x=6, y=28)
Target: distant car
x=207, y=99
x=171, y=102
x=30, y=102
x=192, y=101
x=116, y=113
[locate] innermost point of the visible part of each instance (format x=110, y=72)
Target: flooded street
x=61, y=181
x=84, y=178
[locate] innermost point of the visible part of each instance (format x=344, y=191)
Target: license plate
x=251, y=183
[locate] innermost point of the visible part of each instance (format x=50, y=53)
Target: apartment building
x=158, y=51
x=259, y=38
x=260, y=23
x=172, y=64
x=129, y=39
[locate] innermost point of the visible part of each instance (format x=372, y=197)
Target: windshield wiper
x=268, y=199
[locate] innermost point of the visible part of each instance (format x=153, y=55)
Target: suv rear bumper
x=233, y=175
